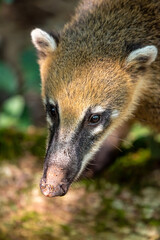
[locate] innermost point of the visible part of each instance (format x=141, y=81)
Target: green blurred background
x=20, y=102
x=123, y=202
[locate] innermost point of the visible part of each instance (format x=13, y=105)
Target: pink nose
x=54, y=184
x=50, y=190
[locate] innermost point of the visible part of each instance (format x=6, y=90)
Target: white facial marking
x=38, y=36
x=97, y=130
x=115, y=114
x=98, y=109
x=148, y=51
x=52, y=102
x=44, y=101
x=49, y=120
x=85, y=161
x=81, y=117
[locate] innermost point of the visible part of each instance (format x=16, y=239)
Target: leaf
x=7, y=121
x=14, y=106
x=8, y=79
x=15, y=113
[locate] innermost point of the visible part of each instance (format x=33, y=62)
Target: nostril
x=52, y=190
x=64, y=188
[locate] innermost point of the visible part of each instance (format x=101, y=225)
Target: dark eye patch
x=83, y=138
x=52, y=111
x=97, y=118
x=84, y=126
x=107, y=117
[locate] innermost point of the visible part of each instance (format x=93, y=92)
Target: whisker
x=123, y=140
x=92, y=164
x=117, y=147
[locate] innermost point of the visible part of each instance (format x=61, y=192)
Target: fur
x=107, y=58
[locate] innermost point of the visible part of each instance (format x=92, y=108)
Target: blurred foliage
x=8, y=79
x=14, y=111
x=140, y=153
x=28, y=61
x=7, y=1
x=14, y=143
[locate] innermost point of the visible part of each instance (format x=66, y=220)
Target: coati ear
x=45, y=43
x=142, y=56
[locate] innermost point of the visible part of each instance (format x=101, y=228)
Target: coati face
x=85, y=99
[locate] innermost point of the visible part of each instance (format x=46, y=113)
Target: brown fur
x=92, y=66
x=89, y=61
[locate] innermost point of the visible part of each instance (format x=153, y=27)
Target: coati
x=101, y=73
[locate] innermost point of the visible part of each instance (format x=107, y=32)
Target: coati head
x=86, y=96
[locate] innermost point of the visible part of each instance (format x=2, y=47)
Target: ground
x=121, y=203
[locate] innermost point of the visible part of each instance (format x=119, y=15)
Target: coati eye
x=53, y=111
x=94, y=119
